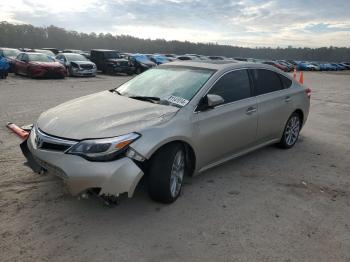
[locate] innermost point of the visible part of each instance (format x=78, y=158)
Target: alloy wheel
x=292, y=130
x=177, y=173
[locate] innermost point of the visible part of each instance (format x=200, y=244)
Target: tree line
x=24, y=35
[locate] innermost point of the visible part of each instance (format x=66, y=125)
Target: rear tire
x=166, y=173
x=291, y=132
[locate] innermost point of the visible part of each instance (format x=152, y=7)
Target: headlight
x=102, y=150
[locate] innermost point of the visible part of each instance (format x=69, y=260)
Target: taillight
x=308, y=92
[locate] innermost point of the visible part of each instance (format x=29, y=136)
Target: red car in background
x=37, y=65
x=277, y=65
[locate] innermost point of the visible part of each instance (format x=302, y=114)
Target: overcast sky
x=251, y=23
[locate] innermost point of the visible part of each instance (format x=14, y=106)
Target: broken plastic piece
x=18, y=131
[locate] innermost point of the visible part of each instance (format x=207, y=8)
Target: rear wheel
x=291, y=132
x=166, y=173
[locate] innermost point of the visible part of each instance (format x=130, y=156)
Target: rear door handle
x=288, y=99
x=251, y=110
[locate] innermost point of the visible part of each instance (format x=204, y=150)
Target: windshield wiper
x=152, y=99
x=115, y=91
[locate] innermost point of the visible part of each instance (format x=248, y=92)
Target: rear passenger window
x=286, y=82
x=266, y=81
x=233, y=86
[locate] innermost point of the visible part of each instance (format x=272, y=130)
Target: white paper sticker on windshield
x=178, y=100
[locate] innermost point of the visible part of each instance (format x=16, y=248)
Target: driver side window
x=25, y=58
x=233, y=86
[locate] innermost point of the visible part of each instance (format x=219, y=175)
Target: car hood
x=102, y=115
x=47, y=64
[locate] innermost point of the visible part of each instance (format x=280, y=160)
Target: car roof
x=104, y=50
x=222, y=65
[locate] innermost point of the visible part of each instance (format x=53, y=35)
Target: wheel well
x=301, y=114
x=190, y=155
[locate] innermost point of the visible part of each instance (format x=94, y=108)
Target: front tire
x=166, y=173
x=291, y=132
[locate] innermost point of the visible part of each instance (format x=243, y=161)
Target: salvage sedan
x=35, y=65
x=177, y=119
x=77, y=65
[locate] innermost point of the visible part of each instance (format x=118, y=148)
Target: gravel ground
x=270, y=205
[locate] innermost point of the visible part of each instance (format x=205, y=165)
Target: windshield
x=112, y=55
x=40, y=58
x=174, y=85
x=142, y=58
x=10, y=52
x=75, y=57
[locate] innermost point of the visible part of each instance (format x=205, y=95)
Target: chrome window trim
x=53, y=140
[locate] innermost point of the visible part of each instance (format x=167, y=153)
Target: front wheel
x=291, y=132
x=166, y=173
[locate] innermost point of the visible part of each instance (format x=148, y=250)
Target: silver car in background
x=178, y=119
x=77, y=64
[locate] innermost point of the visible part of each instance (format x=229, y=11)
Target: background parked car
x=77, y=65
x=171, y=57
x=200, y=57
x=188, y=58
x=277, y=65
x=306, y=66
x=110, y=61
x=44, y=51
x=38, y=65
x=10, y=54
x=140, y=62
x=217, y=58
x=158, y=59
x=53, y=50
x=4, y=67
x=338, y=66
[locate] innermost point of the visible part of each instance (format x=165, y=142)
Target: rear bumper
x=113, y=178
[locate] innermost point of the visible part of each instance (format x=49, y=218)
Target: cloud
x=246, y=22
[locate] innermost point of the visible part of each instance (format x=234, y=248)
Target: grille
x=86, y=66
x=47, y=142
x=54, y=147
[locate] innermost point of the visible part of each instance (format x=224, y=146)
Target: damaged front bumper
x=113, y=178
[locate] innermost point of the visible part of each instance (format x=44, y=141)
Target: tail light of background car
x=308, y=92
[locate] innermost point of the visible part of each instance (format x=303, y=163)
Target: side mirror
x=209, y=102
x=214, y=100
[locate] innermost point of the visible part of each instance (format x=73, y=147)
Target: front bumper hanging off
x=113, y=178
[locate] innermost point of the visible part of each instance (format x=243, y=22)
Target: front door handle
x=287, y=99
x=251, y=110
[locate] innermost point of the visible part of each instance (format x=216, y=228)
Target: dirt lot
x=271, y=205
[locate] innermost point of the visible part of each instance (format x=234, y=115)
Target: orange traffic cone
x=301, y=80
x=295, y=74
